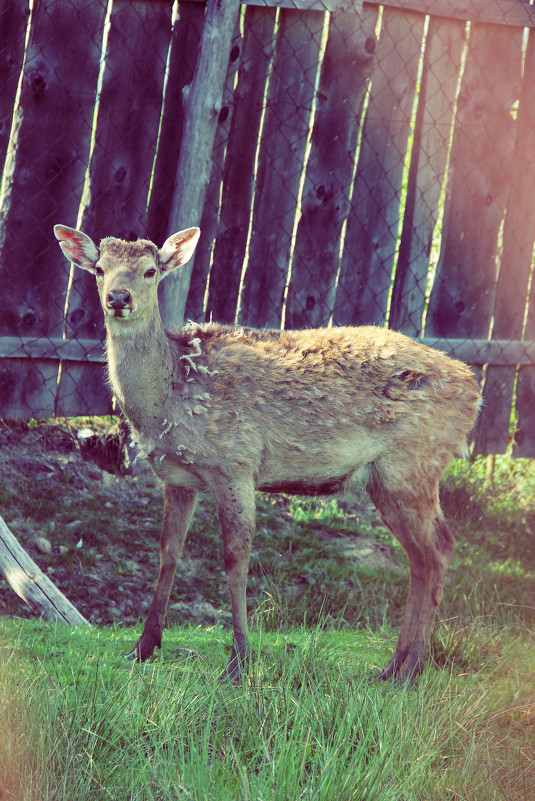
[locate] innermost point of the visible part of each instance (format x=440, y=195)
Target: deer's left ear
x=78, y=247
x=178, y=249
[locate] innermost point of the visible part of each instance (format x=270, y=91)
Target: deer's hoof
x=140, y=653
x=237, y=667
x=404, y=667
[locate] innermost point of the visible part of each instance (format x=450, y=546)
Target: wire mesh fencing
x=372, y=165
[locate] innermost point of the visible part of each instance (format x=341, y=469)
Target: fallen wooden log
x=31, y=584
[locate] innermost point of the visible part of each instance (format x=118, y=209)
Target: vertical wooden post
x=212, y=210
x=202, y=102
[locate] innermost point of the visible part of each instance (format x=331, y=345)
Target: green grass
x=79, y=722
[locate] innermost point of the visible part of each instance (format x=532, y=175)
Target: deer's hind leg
x=411, y=510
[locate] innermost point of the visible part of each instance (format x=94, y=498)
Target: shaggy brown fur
x=230, y=410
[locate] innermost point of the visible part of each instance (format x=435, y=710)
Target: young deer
x=231, y=410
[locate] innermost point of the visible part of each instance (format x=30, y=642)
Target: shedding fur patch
x=194, y=343
x=189, y=359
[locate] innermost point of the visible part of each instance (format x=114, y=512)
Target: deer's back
x=280, y=403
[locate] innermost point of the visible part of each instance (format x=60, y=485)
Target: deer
x=231, y=410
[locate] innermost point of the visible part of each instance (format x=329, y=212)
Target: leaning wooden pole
x=31, y=584
x=202, y=102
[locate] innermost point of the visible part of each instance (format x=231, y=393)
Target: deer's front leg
x=236, y=506
x=179, y=505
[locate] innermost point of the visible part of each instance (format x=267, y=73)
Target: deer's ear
x=77, y=247
x=178, y=249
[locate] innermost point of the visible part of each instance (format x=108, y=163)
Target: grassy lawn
x=79, y=722
x=310, y=722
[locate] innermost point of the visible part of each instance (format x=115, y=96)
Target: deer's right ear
x=77, y=247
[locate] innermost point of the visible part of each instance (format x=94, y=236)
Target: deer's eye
x=99, y=272
x=150, y=273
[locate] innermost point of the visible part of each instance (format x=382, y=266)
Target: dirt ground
x=94, y=530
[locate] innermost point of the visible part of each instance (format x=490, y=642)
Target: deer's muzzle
x=119, y=302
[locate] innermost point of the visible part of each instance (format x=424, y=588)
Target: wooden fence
x=371, y=164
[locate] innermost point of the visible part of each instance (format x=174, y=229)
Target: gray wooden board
x=56, y=348
x=128, y=119
x=182, y=60
x=444, y=46
x=524, y=441
x=202, y=107
x=239, y=173
x=84, y=390
x=51, y=153
x=13, y=21
x=472, y=351
x=498, y=12
x=492, y=434
x=524, y=435
x=372, y=230
x=463, y=294
x=212, y=204
x=281, y=156
x=345, y=73
x=335, y=6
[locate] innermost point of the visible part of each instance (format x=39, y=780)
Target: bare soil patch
x=95, y=530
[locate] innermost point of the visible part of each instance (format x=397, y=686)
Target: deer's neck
x=140, y=368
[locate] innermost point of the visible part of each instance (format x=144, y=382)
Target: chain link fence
x=372, y=165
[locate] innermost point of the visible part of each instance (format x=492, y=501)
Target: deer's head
x=127, y=273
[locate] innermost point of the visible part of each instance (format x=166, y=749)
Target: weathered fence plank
x=212, y=211
x=524, y=441
x=281, y=157
x=128, y=119
x=513, y=13
x=335, y=6
x=370, y=242
x=182, y=60
x=492, y=434
x=473, y=351
x=76, y=350
x=51, y=154
x=121, y=164
x=462, y=298
x=13, y=21
x=440, y=75
x=194, y=164
x=238, y=177
x=346, y=69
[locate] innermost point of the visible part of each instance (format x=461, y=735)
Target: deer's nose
x=118, y=298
